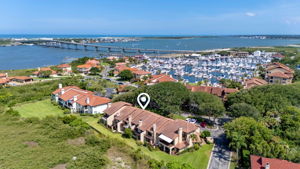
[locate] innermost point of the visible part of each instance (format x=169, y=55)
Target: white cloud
x=250, y=14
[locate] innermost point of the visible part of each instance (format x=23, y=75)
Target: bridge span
x=103, y=48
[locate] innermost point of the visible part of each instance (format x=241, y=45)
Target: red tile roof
x=140, y=72
x=165, y=126
x=22, y=78
x=258, y=162
x=254, y=82
x=4, y=81
x=92, y=62
x=278, y=55
x=2, y=75
x=120, y=64
x=84, y=97
x=279, y=74
x=115, y=107
x=276, y=65
x=57, y=91
x=63, y=66
x=93, y=100
x=120, y=68
x=218, y=91
x=161, y=78
x=86, y=66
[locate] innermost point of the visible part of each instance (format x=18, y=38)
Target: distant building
x=4, y=81
x=85, y=68
x=278, y=56
x=122, y=89
x=66, y=69
x=160, y=78
x=217, y=91
x=78, y=100
x=21, y=79
x=278, y=73
x=39, y=72
x=249, y=83
x=89, y=64
x=258, y=162
x=257, y=53
x=239, y=54
x=171, y=136
x=138, y=74
x=3, y=75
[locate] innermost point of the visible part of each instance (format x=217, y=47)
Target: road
x=221, y=154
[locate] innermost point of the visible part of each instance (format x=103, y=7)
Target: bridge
x=103, y=48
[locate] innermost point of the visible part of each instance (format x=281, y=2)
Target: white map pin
x=143, y=100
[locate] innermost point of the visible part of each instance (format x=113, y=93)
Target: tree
x=166, y=97
x=94, y=71
x=231, y=83
x=243, y=109
x=205, y=134
x=45, y=74
x=206, y=104
x=246, y=133
x=237, y=143
x=126, y=75
x=268, y=98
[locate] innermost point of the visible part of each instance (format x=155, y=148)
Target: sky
x=150, y=17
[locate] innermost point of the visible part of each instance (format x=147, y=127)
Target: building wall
x=98, y=109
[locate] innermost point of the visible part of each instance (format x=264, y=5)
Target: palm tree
x=193, y=137
x=237, y=142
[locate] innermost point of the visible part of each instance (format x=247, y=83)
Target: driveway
x=221, y=154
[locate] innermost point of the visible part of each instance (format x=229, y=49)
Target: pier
x=102, y=48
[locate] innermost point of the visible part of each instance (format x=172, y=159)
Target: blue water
x=20, y=57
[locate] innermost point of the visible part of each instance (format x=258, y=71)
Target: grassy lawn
x=38, y=109
x=198, y=159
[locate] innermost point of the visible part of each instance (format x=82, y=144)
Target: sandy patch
x=60, y=166
x=77, y=141
x=31, y=143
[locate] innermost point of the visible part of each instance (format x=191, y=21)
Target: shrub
x=68, y=119
x=79, y=123
x=12, y=112
x=67, y=111
x=149, y=146
x=93, y=140
x=127, y=133
x=196, y=147
x=139, y=143
x=137, y=155
x=205, y=134
x=32, y=120
x=91, y=160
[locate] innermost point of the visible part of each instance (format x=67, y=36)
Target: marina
x=208, y=69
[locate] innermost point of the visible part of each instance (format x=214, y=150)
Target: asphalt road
x=221, y=154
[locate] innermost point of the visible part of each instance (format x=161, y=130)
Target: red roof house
x=249, y=83
x=217, y=91
x=160, y=78
x=79, y=100
x=258, y=162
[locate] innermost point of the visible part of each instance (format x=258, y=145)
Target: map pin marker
x=143, y=100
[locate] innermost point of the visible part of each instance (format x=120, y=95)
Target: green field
x=44, y=145
x=38, y=109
